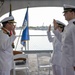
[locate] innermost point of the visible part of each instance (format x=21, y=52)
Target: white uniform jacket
x=68, y=45
x=6, y=51
x=56, y=49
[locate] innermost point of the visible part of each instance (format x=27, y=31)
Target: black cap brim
x=12, y=21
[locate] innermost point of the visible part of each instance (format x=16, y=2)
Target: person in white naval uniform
x=6, y=50
x=55, y=60
x=68, y=41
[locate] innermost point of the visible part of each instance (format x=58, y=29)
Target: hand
x=55, y=24
x=49, y=28
x=13, y=29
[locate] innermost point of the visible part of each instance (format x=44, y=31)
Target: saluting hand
x=55, y=24
x=13, y=30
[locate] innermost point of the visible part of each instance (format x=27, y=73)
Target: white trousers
x=5, y=72
x=74, y=72
x=57, y=70
x=68, y=71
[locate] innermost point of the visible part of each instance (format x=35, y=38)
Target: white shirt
x=56, y=49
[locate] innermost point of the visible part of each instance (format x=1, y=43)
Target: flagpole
x=27, y=42
x=25, y=33
x=28, y=27
x=10, y=11
x=10, y=14
x=25, y=46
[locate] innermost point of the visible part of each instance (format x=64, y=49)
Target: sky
x=38, y=16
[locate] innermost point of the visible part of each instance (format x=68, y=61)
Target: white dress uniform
x=68, y=45
x=6, y=53
x=55, y=60
x=68, y=48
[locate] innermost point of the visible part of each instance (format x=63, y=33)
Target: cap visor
x=65, y=11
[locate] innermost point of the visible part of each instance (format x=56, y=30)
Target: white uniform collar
x=71, y=20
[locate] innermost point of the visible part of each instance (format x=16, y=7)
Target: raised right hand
x=49, y=28
x=55, y=24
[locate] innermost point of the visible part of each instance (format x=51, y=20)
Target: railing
x=37, y=42
x=37, y=51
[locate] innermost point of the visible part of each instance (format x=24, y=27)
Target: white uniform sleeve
x=58, y=34
x=50, y=38
x=73, y=37
x=6, y=41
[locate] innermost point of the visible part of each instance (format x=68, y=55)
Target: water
x=38, y=40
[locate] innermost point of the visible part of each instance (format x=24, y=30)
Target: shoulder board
x=74, y=22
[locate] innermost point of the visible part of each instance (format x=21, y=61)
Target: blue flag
x=25, y=33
